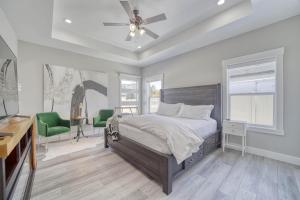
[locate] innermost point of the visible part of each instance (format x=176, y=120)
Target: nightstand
x=236, y=128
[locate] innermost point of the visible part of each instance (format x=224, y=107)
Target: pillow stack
x=201, y=112
x=168, y=109
x=196, y=112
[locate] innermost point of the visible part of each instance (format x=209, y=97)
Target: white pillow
x=168, y=109
x=196, y=112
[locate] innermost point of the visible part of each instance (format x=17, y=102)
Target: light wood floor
x=101, y=174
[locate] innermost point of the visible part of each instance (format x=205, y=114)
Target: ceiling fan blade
x=151, y=34
x=128, y=38
x=115, y=24
x=127, y=8
x=156, y=18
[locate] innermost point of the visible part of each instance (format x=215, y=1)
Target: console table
x=17, y=157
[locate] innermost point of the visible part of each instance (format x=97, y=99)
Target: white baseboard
x=268, y=154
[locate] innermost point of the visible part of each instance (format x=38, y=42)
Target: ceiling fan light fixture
x=136, y=22
x=132, y=34
x=139, y=47
x=132, y=27
x=142, y=31
x=221, y=2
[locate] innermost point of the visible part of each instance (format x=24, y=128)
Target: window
x=152, y=86
x=253, y=90
x=129, y=93
x=153, y=95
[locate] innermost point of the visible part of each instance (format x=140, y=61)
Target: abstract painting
x=8, y=88
x=74, y=93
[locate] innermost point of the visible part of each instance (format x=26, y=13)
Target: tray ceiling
x=88, y=17
x=190, y=24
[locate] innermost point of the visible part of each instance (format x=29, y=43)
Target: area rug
x=59, y=148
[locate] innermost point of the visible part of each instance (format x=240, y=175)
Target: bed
x=155, y=160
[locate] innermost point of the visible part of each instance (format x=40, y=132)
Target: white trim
x=249, y=58
x=129, y=76
x=264, y=130
x=154, y=78
x=268, y=154
x=275, y=54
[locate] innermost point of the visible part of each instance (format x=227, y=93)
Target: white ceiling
x=190, y=24
x=88, y=17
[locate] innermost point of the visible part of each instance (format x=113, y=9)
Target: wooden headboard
x=197, y=95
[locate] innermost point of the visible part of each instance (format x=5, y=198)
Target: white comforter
x=181, y=139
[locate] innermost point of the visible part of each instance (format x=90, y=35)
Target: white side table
x=236, y=128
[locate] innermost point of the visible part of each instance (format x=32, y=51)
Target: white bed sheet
x=201, y=128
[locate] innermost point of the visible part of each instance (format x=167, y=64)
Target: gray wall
x=204, y=66
x=31, y=58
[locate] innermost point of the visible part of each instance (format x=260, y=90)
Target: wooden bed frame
x=161, y=167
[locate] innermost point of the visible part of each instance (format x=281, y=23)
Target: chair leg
x=46, y=145
x=39, y=143
x=93, y=130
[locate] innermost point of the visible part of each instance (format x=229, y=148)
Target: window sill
x=265, y=130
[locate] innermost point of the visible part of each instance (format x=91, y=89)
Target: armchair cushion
x=57, y=130
x=100, y=124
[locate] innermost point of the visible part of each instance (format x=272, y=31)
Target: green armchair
x=100, y=120
x=50, y=124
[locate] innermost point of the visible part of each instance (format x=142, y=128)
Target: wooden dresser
x=17, y=157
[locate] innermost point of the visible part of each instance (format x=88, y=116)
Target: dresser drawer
x=196, y=157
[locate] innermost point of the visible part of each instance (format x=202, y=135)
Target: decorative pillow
x=196, y=112
x=168, y=109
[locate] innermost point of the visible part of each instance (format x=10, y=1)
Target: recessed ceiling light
x=139, y=47
x=221, y=2
x=68, y=21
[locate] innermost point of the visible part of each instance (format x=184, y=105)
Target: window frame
x=146, y=81
x=130, y=77
x=277, y=56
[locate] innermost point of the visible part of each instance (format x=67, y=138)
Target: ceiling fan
x=136, y=23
